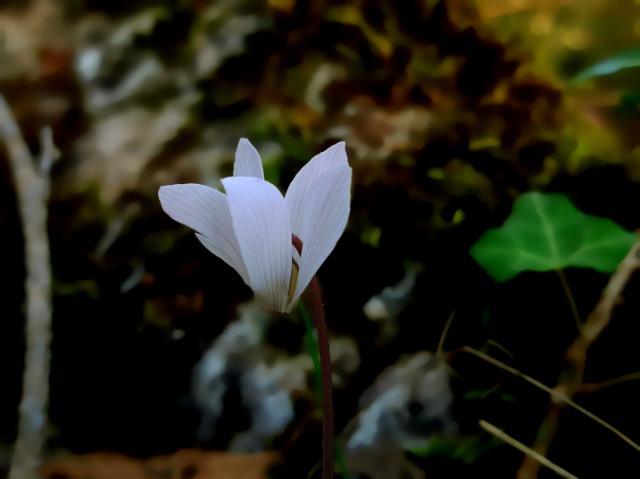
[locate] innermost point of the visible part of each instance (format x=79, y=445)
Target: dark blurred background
x=449, y=109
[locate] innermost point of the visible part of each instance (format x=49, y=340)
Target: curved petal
x=261, y=223
x=206, y=211
x=318, y=200
x=248, y=161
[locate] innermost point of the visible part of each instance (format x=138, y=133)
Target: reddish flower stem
x=325, y=366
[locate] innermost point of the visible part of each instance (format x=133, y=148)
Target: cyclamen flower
x=251, y=227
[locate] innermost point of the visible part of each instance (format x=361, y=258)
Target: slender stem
x=315, y=357
x=313, y=347
x=325, y=366
x=572, y=301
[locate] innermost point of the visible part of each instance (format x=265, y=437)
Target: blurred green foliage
x=627, y=59
x=466, y=450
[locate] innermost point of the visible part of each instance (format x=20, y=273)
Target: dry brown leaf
x=185, y=464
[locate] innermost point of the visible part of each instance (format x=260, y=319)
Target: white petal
x=206, y=211
x=248, y=161
x=318, y=200
x=261, y=223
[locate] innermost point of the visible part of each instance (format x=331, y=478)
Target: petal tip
x=247, y=160
x=163, y=191
x=340, y=146
x=335, y=154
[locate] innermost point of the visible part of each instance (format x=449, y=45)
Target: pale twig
x=556, y=395
x=32, y=192
x=500, y=347
x=443, y=336
x=526, y=450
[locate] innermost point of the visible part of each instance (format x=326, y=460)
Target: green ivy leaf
x=546, y=232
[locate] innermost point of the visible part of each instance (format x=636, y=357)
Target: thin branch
x=611, y=296
x=592, y=387
x=576, y=354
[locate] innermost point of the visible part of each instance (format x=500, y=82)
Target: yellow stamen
x=294, y=280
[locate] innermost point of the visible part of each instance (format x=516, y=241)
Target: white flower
x=251, y=227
